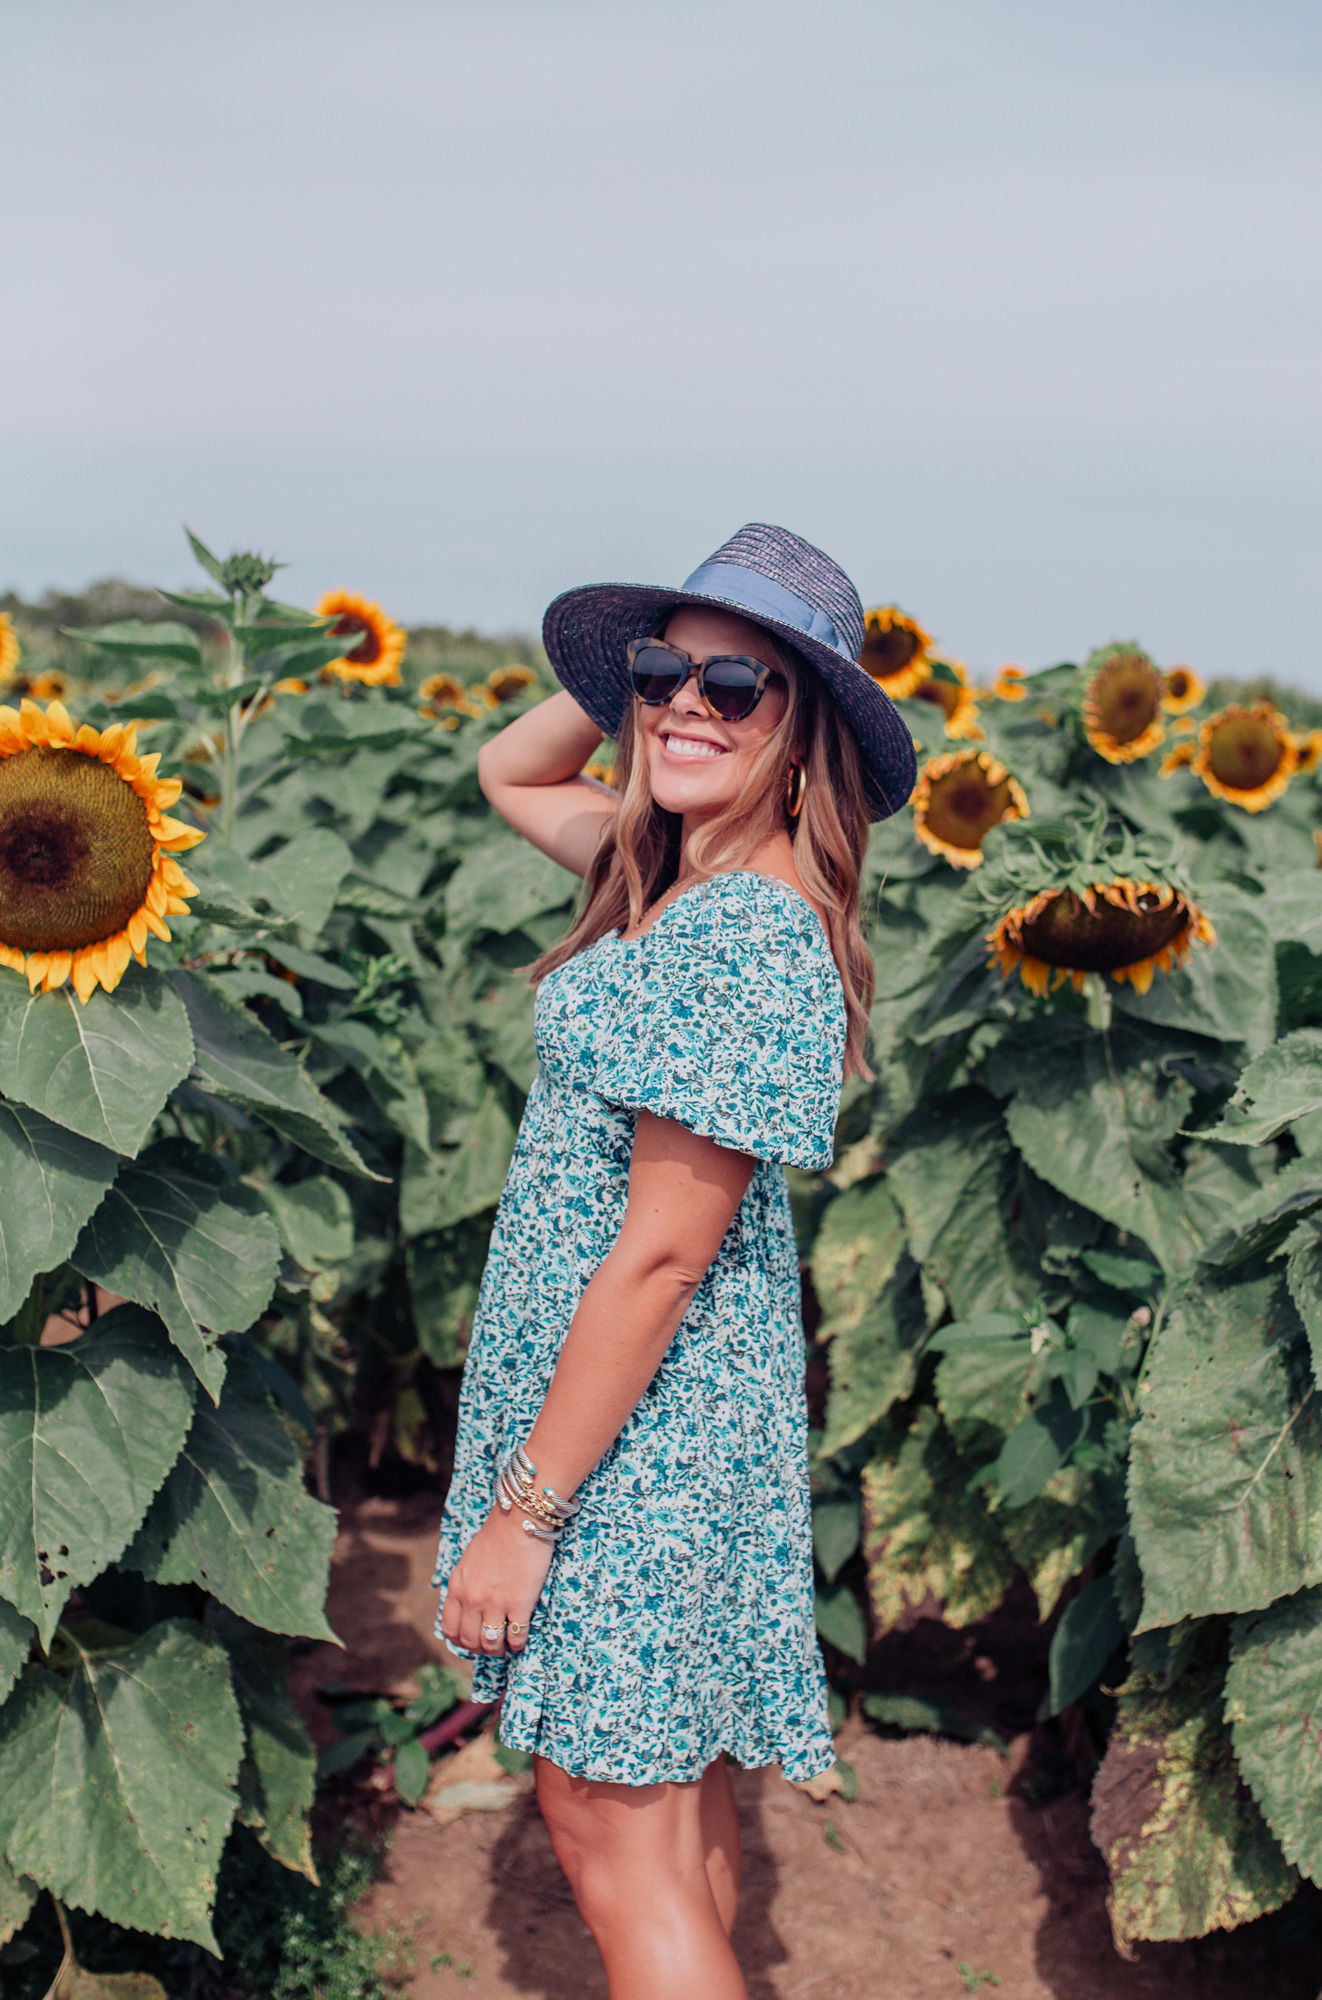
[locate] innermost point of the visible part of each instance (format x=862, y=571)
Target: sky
x=1014, y=308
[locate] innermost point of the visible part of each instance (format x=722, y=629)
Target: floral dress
x=677, y=1617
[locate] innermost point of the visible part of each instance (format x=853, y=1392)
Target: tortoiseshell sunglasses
x=731, y=684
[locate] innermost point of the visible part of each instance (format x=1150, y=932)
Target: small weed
x=831, y=1835
x=973, y=1980
x=462, y=1968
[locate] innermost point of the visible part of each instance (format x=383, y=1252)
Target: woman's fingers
x=516, y=1633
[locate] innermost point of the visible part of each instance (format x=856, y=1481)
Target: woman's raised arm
x=532, y=775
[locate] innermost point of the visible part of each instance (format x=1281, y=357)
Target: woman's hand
x=499, y=1577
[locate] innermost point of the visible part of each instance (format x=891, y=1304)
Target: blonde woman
x=626, y=1548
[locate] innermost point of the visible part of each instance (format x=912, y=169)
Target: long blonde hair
x=638, y=854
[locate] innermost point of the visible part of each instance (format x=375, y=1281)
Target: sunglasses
x=731, y=684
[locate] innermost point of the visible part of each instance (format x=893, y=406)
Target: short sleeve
x=734, y=1023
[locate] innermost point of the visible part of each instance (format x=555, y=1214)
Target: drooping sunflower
x=87, y=864
x=896, y=651
x=1122, y=703
x=1008, y=685
x=946, y=686
x=1245, y=755
x=374, y=660
x=1076, y=896
x=959, y=798
x=10, y=650
x=1184, y=689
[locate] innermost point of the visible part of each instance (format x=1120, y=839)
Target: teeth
x=689, y=746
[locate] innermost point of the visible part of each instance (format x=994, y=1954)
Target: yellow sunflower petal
x=58, y=967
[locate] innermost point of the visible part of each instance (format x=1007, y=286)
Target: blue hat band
x=765, y=599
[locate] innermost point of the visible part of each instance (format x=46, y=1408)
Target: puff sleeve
x=735, y=1025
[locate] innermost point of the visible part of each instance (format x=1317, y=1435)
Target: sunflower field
x=264, y=1044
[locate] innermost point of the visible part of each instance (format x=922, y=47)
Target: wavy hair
x=638, y=854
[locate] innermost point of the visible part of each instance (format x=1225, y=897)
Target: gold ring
x=516, y=1628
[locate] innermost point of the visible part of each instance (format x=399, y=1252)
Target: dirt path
x=940, y=1864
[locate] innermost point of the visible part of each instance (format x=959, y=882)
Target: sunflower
x=957, y=801
x=440, y=691
x=86, y=851
x=374, y=660
x=1246, y=755
x=1007, y=685
x=1309, y=750
x=10, y=650
x=895, y=651
x=506, y=683
x=947, y=687
x=603, y=773
x=1184, y=689
x=1129, y=929
x=1122, y=704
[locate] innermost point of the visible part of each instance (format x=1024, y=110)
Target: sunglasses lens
x=656, y=674
x=731, y=688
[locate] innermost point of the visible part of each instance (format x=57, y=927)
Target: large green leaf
x=950, y=1169
x=176, y=1234
x=1304, y=1276
x=439, y=1191
x=277, y=1778
x=1225, y=1480
x=1187, y=1848
x=1229, y=991
x=105, y=1069
x=501, y=885
x=238, y=1061
x=1089, y=1631
x=874, y=1360
x=303, y=877
x=386, y=1067
x=16, y=1636
x=444, y=1275
x=925, y=1535
x=1092, y=1115
x=1274, y=1706
x=839, y=1618
x=50, y=1182
x=855, y=1254
x=17, y=1895
x=88, y=1432
x=1280, y=1085
x=235, y=1516
x=117, y=1783
x=314, y=1218
x=133, y=638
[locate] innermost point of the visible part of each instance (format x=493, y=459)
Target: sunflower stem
x=234, y=674
x=1098, y=997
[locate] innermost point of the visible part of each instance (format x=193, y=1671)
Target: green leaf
x=1267, y=1215
x=1094, y=1121
x=88, y=1431
x=308, y=965
x=213, y=566
x=386, y=1067
x=929, y=1718
x=501, y=885
x=1133, y=1275
x=50, y=1182
x=857, y=1250
x=1225, y=1480
x=175, y=1234
x=245, y=982
x=1187, y=1848
x=874, y=1362
x=984, y=1388
x=17, y=1895
x=117, y=1785
x=1039, y=1443
x=1062, y=1528
x=235, y=1516
x=16, y=1636
x=302, y=879
x=314, y=1218
x=1304, y=1277
x=1280, y=1085
x=105, y=1069
x=1228, y=992
x=277, y=1777
x=951, y=1169
x=133, y=639
x=412, y=1770
x=836, y=1528
x=238, y=1061
x=925, y=1535
x=1273, y=1700
x=841, y=1623
x=444, y=1275
x=1089, y=1631
x=436, y=1193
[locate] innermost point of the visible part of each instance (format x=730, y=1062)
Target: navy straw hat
x=779, y=581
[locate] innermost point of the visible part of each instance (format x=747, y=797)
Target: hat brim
x=586, y=633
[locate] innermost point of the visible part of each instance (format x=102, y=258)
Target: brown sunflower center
x=1127, y=694
x=942, y=694
x=76, y=852
x=1244, y=752
x=963, y=807
x=887, y=653
x=368, y=648
x=1178, y=683
x=1067, y=933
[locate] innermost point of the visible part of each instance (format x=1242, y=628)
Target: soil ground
x=954, y=1860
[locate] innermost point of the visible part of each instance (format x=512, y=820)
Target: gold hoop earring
x=798, y=786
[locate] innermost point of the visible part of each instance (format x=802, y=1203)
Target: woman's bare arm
x=684, y=1192
x=531, y=775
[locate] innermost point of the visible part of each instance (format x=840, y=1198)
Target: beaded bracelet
x=548, y=1515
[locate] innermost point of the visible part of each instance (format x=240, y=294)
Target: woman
x=626, y=1545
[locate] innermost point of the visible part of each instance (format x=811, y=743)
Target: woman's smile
x=685, y=748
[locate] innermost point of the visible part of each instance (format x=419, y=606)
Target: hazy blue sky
x=1012, y=306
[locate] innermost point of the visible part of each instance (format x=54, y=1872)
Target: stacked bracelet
x=547, y=1514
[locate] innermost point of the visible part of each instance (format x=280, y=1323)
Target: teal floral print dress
x=677, y=1617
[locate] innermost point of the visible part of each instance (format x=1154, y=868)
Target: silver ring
x=493, y=1631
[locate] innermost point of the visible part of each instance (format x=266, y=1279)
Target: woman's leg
x=720, y=1841
x=636, y=1858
